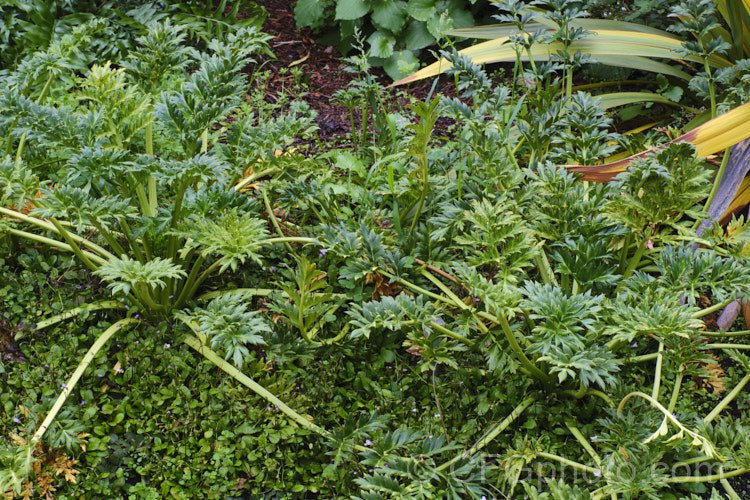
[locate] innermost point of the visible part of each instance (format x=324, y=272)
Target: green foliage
x=304, y=306
x=697, y=17
x=390, y=313
x=36, y=25
x=206, y=20
x=252, y=138
x=61, y=56
x=230, y=326
x=495, y=236
x=142, y=209
x=646, y=308
x=209, y=94
x=584, y=139
x=233, y=237
x=106, y=88
x=660, y=190
x=558, y=490
x=101, y=139
x=396, y=31
x=486, y=123
x=407, y=471
x=692, y=273
x=647, y=12
x=80, y=208
x=159, y=53
x=17, y=184
x=179, y=427
x=565, y=335
x=126, y=273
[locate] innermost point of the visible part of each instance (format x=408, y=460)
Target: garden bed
x=242, y=276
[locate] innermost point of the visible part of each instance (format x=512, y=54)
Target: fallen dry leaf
x=715, y=378
x=382, y=287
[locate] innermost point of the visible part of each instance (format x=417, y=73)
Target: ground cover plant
x=420, y=310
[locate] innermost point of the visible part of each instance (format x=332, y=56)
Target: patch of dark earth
x=325, y=72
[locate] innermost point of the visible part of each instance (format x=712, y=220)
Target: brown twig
x=441, y=273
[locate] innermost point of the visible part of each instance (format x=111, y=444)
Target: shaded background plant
x=396, y=31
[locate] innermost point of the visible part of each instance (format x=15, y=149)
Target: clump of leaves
x=230, y=326
x=492, y=234
x=304, y=306
x=584, y=139
x=566, y=335
x=125, y=274
x=659, y=191
x=392, y=313
x=692, y=273
x=404, y=465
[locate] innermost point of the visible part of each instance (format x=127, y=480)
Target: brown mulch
x=323, y=69
x=321, y=65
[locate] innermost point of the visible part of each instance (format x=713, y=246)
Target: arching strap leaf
x=740, y=200
x=713, y=136
x=730, y=196
x=628, y=49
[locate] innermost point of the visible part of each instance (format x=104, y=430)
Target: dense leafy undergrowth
x=196, y=305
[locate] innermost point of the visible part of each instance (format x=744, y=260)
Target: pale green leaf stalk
x=78, y=373
x=261, y=391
